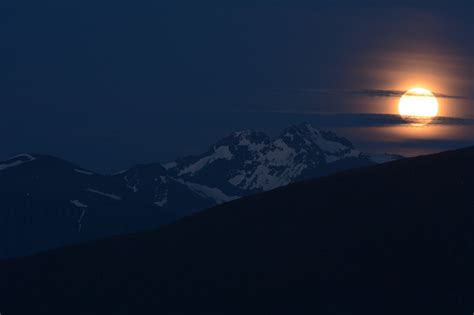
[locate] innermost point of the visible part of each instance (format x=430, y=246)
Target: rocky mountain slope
x=249, y=161
x=47, y=202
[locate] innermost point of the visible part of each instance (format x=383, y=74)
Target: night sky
x=110, y=83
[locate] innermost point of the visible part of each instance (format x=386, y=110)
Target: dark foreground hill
x=396, y=238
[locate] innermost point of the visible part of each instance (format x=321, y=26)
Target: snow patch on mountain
x=265, y=178
x=79, y=221
x=281, y=153
x=328, y=146
x=221, y=152
x=25, y=156
x=17, y=161
x=82, y=206
x=350, y=154
x=121, y=172
x=77, y=170
x=161, y=194
x=111, y=196
x=236, y=180
x=78, y=204
x=214, y=194
x=162, y=202
x=133, y=186
x=169, y=165
x=246, y=141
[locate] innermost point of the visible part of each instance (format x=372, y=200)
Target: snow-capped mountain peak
x=249, y=161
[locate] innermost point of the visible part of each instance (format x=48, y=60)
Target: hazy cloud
x=374, y=93
x=367, y=119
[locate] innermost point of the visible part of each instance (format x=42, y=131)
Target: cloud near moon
x=375, y=93
x=365, y=119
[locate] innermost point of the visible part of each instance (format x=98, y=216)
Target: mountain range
x=395, y=238
x=48, y=202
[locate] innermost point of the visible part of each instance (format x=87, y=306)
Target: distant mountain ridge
x=249, y=161
x=48, y=202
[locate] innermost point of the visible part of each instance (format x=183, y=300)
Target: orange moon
x=418, y=106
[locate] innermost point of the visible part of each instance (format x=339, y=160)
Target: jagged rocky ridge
x=249, y=161
x=47, y=202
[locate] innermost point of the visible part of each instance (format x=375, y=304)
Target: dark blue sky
x=111, y=83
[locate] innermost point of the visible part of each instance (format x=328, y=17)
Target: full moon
x=418, y=106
